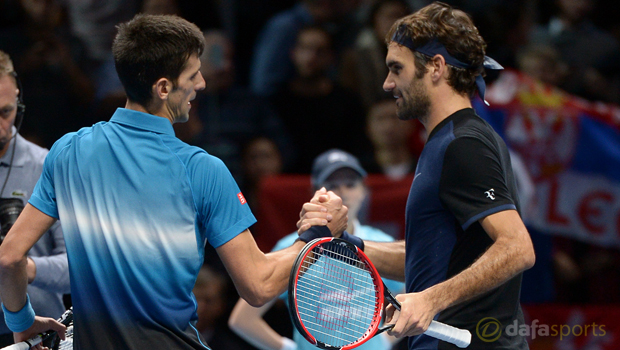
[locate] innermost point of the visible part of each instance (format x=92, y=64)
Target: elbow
x=529, y=259
x=527, y=255
x=256, y=295
x=9, y=261
x=234, y=322
x=257, y=299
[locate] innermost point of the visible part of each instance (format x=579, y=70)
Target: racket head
x=335, y=294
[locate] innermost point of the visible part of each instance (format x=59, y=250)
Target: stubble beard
x=415, y=102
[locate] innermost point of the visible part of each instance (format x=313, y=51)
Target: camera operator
x=21, y=163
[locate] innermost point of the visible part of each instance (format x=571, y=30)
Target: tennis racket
x=336, y=298
x=51, y=336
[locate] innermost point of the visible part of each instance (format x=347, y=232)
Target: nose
x=388, y=84
x=201, y=83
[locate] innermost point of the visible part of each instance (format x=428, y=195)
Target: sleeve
x=53, y=270
x=44, y=194
x=222, y=208
x=473, y=183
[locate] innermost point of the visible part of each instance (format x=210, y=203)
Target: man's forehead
x=398, y=54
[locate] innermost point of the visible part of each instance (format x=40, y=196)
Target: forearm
x=388, y=258
x=258, y=277
x=502, y=261
x=14, y=282
x=247, y=321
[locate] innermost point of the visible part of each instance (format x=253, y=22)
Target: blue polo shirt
x=137, y=207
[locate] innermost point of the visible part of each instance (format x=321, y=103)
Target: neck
x=444, y=102
x=157, y=111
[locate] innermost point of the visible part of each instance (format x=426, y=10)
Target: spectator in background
x=213, y=295
x=271, y=65
x=342, y=173
x=362, y=67
x=261, y=158
x=392, y=154
x=225, y=115
x=50, y=62
x=21, y=163
x=591, y=53
x=314, y=108
x=543, y=63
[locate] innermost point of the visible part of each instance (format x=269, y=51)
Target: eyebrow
x=391, y=63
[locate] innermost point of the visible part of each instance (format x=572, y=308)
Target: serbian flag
x=571, y=149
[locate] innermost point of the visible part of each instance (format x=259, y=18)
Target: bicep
x=240, y=255
x=505, y=224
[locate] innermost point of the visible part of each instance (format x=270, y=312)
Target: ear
x=162, y=88
x=437, y=67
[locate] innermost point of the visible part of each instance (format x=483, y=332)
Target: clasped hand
x=324, y=209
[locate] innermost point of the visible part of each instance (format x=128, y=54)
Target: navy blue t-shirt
x=463, y=175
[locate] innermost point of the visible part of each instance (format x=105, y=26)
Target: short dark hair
x=455, y=30
x=151, y=47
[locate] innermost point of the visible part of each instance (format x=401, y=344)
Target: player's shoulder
x=469, y=124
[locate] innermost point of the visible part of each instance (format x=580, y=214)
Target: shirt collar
x=142, y=121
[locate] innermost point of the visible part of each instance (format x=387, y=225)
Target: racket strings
x=336, y=296
x=67, y=344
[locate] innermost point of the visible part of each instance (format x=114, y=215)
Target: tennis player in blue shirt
x=138, y=206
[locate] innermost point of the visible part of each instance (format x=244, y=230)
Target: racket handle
x=456, y=336
x=24, y=345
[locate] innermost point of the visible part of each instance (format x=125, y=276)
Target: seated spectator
x=212, y=292
x=362, y=67
x=314, y=108
x=50, y=63
x=261, y=158
x=271, y=65
x=543, y=63
x=225, y=115
x=590, y=52
x=390, y=137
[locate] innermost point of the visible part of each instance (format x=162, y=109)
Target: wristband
x=315, y=232
x=353, y=239
x=21, y=320
x=288, y=344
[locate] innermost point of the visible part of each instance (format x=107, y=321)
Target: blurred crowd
x=289, y=79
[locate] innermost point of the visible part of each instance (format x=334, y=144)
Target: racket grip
x=24, y=345
x=456, y=336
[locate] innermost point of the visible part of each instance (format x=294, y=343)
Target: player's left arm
x=511, y=252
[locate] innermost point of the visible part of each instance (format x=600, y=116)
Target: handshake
x=325, y=216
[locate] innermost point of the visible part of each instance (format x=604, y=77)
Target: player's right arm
x=258, y=277
x=388, y=257
x=247, y=321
